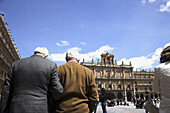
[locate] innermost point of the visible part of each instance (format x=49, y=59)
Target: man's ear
x=45, y=57
x=66, y=59
x=78, y=60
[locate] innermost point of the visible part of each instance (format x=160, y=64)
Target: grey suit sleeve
x=7, y=90
x=55, y=88
x=156, y=82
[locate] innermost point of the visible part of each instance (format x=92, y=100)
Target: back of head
x=72, y=54
x=41, y=50
x=165, y=55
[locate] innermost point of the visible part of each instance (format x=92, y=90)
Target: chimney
x=11, y=37
x=92, y=61
x=6, y=25
x=122, y=63
x=9, y=31
x=2, y=17
x=130, y=63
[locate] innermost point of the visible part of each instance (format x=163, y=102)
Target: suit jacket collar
x=37, y=56
x=72, y=61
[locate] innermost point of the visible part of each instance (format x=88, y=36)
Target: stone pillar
x=125, y=93
x=104, y=85
x=95, y=73
x=134, y=91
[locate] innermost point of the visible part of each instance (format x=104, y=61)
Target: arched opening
x=119, y=95
x=111, y=96
x=129, y=96
x=141, y=96
x=137, y=96
x=156, y=96
x=151, y=96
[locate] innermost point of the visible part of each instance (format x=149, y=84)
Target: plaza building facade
x=121, y=81
x=8, y=50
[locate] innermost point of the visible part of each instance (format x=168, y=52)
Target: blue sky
x=132, y=30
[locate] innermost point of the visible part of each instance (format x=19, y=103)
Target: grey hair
x=41, y=50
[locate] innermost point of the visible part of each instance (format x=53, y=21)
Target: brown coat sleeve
x=92, y=93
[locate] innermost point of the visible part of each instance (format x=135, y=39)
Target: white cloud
x=83, y=43
x=144, y=62
x=143, y=2
x=166, y=45
x=87, y=56
x=57, y=57
x=165, y=8
x=63, y=43
x=151, y=1
x=74, y=49
x=164, y=4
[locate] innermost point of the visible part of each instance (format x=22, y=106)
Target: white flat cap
x=73, y=54
x=42, y=50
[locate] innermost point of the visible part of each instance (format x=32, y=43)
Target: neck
x=40, y=54
x=72, y=60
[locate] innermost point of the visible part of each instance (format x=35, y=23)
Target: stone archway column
x=125, y=94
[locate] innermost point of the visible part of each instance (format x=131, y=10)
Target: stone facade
x=120, y=81
x=8, y=50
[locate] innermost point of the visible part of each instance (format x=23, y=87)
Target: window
x=119, y=86
x=99, y=86
x=110, y=86
x=128, y=87
x=108, y=62
x=150, y=89
x=98, y=73
x=136, y=89
x=103, y=61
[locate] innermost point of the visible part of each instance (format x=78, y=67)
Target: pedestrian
x=80, y=91
x=28, y=84
x=161, y=80
x=103, y=100
x=134, y=101
x=147, y=97
x=155, y=101
x=137, y=103
x=97, y=103
x=117, y=101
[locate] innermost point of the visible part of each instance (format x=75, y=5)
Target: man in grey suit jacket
x=29, y=83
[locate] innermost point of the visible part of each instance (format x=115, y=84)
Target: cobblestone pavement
x=121, y=109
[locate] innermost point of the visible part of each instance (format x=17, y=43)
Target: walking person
x=97, y=103
x=161, y=80
x=103, y=100
x=28, y=84
x=147, y=97
x=80, y=91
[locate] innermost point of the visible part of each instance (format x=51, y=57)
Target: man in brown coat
x=80, y=92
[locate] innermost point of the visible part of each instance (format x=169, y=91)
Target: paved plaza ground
x=121, y=109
